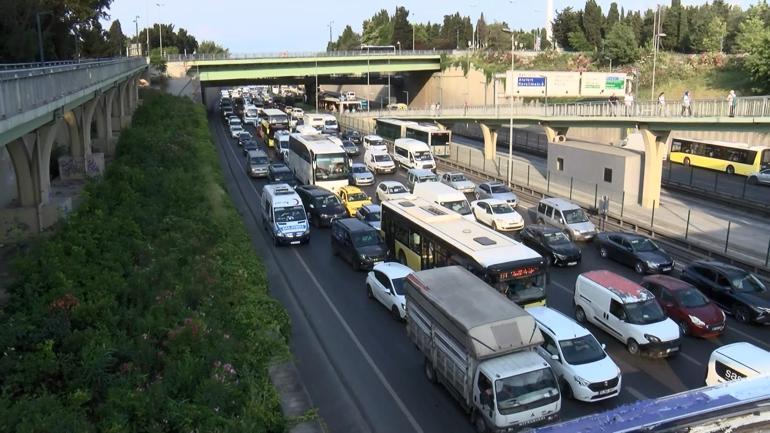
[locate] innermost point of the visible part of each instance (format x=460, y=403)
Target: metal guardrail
x=26, y=89
x=35, y=65
x=287, y=54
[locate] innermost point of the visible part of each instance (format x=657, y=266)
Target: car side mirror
x=312, y=206
x=604, y=346
x=561, y=220
x=489, y=211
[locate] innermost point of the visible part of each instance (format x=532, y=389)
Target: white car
x=496, y=190
x=236, y=128
x=297, y=113
x=497, y=214
x=586, y=371
x=378, y=161
x=385, y=283
x=458, y=181
x=392, y=190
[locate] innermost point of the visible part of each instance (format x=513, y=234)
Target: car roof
x=372, y=207
x=421, y=172
x=358, y=164
x=625, y=235
x=354, y=224
x=315, y=190
x=393, y=269
x=557, y=323
x=747, y=354
x=350, y=188
x=491, y=201
x=667, y=281
x=542, y=228
x=373, y=137
x=559, y=203
x=257, y=152
x=720, y=266
x=392, y=183
x=627, y=290
x=493, y=182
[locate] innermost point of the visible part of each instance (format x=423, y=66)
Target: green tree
x=402, y=30
x=670, y=25
x=481, y=31
x=567, y=21
x=378, y=30
x=751, y=32
x=93, y=41
x=347, y=41
x=621, y=45
x=593, y=21
x=578, y=41
x=757, y=63
x=116, y=40
x=613, y=17
x=211, y=47
x=684, y=32
x=707, y=30
x=635, y=21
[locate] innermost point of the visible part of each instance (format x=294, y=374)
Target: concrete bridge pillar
x=490, y=141
x=81, y=162
x=21, y=155
x=118, y=108
x=86, y=119
x=654, y=150
x=554, y=134
x=125, y=102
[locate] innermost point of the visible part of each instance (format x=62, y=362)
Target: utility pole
x=510, y=132
x=136, y=23
x=160, y=30
x=40, y=34
x=330, y=32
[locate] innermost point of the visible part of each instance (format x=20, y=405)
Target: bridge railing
x=747, y=107
x=25, y=89
x=286, y=54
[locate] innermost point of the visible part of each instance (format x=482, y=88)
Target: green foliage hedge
x=148, y=310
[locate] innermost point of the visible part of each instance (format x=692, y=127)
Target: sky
x=257, y=26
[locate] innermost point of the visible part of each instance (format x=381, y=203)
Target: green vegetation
x=148, y=309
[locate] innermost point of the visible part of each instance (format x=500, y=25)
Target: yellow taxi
x=353, y=199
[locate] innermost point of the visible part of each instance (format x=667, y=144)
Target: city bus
x=317, y=160
x=727, y=157
x=391, y=129
x=423, y=235
x=273, y=120
x=434, y=136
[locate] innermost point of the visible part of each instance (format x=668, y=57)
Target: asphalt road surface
x=358, y=365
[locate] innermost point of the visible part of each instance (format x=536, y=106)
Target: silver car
x=458, y=181
x=370, y=214
x=762, y=176
x=360, y=175
x=496, y=190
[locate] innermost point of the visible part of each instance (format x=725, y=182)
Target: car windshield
x=331, y=166
x=582, y=350
x=282, y=175
x=372, y=216
x=499, y=189
x=376, y=143
x=431, y=178
x=330, y=122
x=521, y=392
x=259, y=160
x=690, y=298
x=366, y=239
x=244, y=135
x=359, y=169
x=574, y=216
x=357, y=196
x=236, y=127
x=288, y=214
x=398, y=285
x=556, y=238
x=457, y=178
x=382, y=158
x=644, y=312
x=642, y=245
x=423, y=156
x=501, y=208
x=398, y=189
x=327, y=201
x=235, y=122
x=349, y=145
x=459, y=206
x=747, y=283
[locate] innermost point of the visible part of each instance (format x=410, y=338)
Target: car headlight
x=403, y=306
x=652, y=338
x=560, y=256
x=652, y=264
x=581, y=381
x=762, y=309
x=696, y=321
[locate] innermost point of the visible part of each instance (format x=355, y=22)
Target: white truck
x=481, y=347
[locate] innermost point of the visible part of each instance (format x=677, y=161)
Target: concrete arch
x=20, y=151
x=72, y=119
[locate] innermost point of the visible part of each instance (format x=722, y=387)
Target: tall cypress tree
x=593, y=21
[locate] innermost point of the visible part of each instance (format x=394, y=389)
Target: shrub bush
x=148, y=309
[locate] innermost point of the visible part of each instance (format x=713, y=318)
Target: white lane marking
x=360, y=346
x=761, y=343
x=369, y=360
x=691, y=359
x=563, y=287
x=636, y=393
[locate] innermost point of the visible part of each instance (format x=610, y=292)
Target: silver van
x=419, y=175
x=567, y=216
x=257, y=163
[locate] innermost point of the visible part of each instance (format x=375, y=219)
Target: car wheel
x=549, y=260
x=479, y=425
x=730, y=169
x=566, y=389
x=741, y=314
x=369, y=293
x=430, y=373
x=603, y=252
x=686, y=162
x=632, y=346
x=569, y=235
x=395, y=313
x=753, y=180
x=580, y=314
x=494, y=226
x=683, y=328
x=402, y=258
x=640, y=268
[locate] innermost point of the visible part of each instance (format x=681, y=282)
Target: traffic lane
x=538, y=162
x=713, y=180
x=401, y=362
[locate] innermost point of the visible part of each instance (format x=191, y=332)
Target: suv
x=567, y=216
x=322, y=206
x=278, y=172
x=587, y=372
x=358, y=242
x=733, y=289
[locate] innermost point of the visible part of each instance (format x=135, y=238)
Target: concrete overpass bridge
x=72, y=109
x=655, y=124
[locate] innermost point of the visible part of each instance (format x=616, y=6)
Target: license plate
x=376, y=263
x=666, y=269
x=571, y=263
x=295, y=242
x=717, y=327
x=606, y=391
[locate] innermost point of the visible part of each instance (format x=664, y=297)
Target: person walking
x=628, y=101
x=732, y=101
x=686, y=103
x=613, y=104
x=662, y=104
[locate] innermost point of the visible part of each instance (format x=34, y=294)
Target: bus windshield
x=524, y=391
x=331, y=166
x=439, y=139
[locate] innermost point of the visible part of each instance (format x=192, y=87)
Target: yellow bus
x=423, y=235
x=730, y=158
x=273, y=120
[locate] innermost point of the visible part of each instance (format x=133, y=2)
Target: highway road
x=359, y=366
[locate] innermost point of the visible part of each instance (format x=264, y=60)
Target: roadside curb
x=296, y=406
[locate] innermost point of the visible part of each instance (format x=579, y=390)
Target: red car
x=695, y=314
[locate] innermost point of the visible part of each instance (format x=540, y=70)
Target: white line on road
x=636, y=393
x=691, y=359
x=762, y=343
x=563, y=287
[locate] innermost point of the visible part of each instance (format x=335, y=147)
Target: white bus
x=423, y=235
x=316, y=160
x=434, y=136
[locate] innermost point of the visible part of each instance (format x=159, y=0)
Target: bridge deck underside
x=311, y=68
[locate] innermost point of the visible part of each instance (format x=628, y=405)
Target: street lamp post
x=407, y=98
x=40, y=34
x=413, y=28
x=330, y=31
x=510, y=132
x=136, y=23
x=656, y=35
x=160, y=30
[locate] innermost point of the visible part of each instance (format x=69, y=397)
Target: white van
x=316, y=120
x=418, y=175
x=445, y=196
x=568, y=216
x=375, y=142
x=378, y=161
x=330, y=125
x=626, y=311
x=737, y=361
x=282, y=146
x=411, y=153
x=250, y=115
x=586, y=370
x=283, y=215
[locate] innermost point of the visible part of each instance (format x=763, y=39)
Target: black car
x=358, y=242
x=350, y=148
x=733, y=289
x=321, y=205
x=637, y=251
x=250, y=145
x=243, y=137
x=280, y=173
x=351, y=135
x=552, y=244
